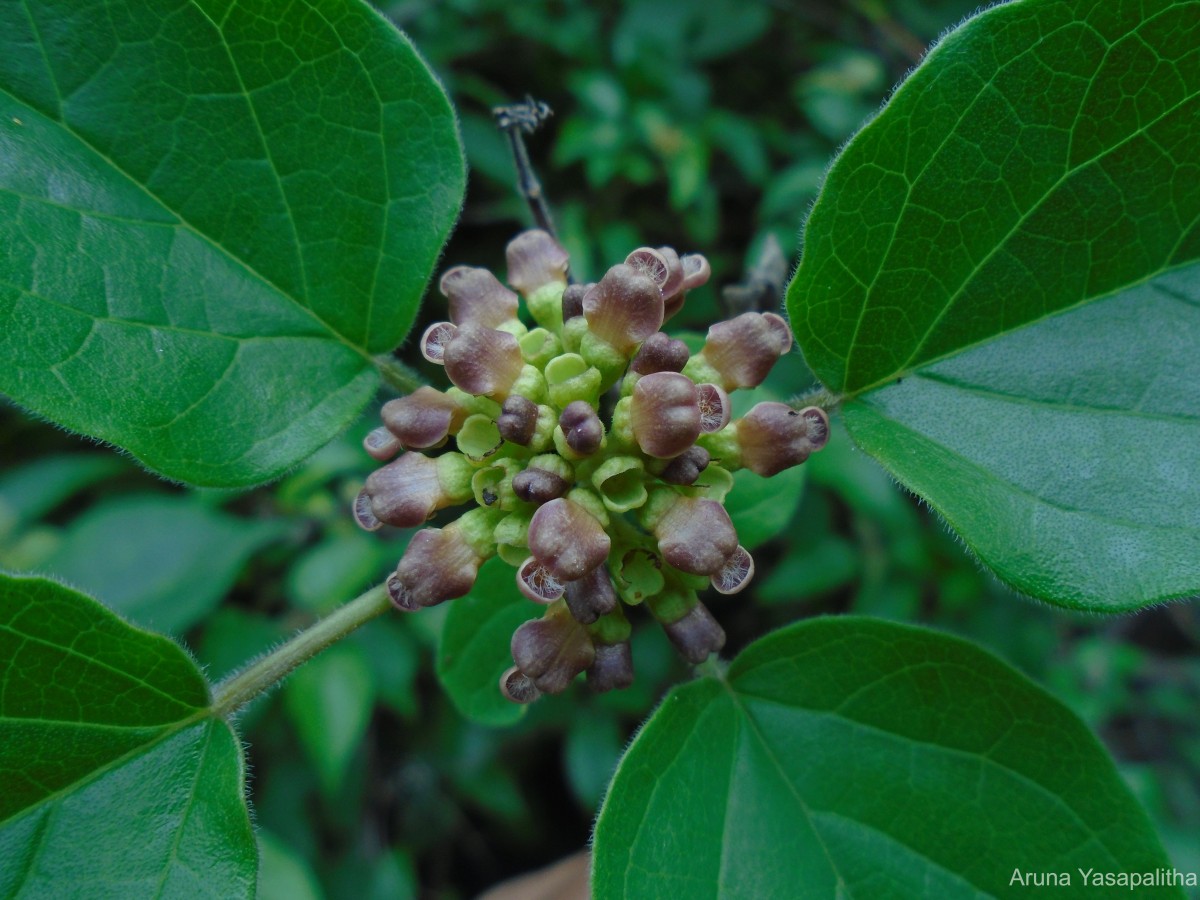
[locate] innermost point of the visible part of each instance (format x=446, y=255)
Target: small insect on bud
x=582, y=429
x=696, y=635
x=592, y=596
x=477, y=296
x=743, y=350
x=483, y=361
x=612, y=669
x=552, y=650
x=686, y=467
x=434, y=341
x=518, y=420
x=535, y=259
x=567, y=539
x=438, y=565
x=660, y=353
x=773, y=436
x=423, y=419
x=624, y=308
x=665, y=413
x=696, y=535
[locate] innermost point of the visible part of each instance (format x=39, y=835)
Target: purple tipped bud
x=696, y=635
x=665, y=414
x=612, y=668
x=535, y=485
x=572, y=300
x=538, y=583
x=773, y=436
x=363, y=514
x=567, y=539
x=650, y=263
x=686, y=467
x=744, y=349
x=405, y=493
x=552, y=650
x=715, y=408
x=737, y=572
x=624, y=308
x=672, y=288
x=535, y=260
x=582, y=428
x=518, y=687
x=477, y=296
x=438, y=565
x=592, y=596
x=435, y=339
x=483, y=361
x=696, y=535
x=660, y=353
x=518, y=420
x=382, y=444
x=696, y=271
x=423, y=419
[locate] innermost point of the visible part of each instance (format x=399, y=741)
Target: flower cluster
x=599, y=452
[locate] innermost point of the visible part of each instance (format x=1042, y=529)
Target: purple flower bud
x=651, y=263
x=672, y=288
x=612, y=669
x=518, y=420
x=582, y=428
x=624, y=308
x=382, y=444
x=715, y=408
x=404, y=493
x=695, y=535
x=518, y=687
x=737, y=572
x=538, y=583
x=744, y=349
x=477, y=296
x=696, y=635
x=572, y=300
x=483, y=361
x=423, y=419
x=435, y=339
x=773, y=436
x=535, y=485
x=438, y=565
x=552, y=650
x=686, y=467
x=592, y=596
x=660, y=353
x=567, y=539
x=665, y=414
x=535, y=260
x=693, y=272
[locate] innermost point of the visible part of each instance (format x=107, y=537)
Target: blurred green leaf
x=1000, y=277
x=330, y=699
x=590, y=754
x=864, y=757
x=337, y=570
x=762, y=507
x=163, y=561
x=117, y=782
x=213, y=221
x=474, y=649
x=30, y=491
x=283, y=873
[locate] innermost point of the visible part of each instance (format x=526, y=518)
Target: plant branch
x=259, y=677
x=397, y=375
x=515, y=121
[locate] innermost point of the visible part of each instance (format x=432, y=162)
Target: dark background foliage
x=704, y=126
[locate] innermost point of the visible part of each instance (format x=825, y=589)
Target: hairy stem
x=239, y=689
x=397, y=375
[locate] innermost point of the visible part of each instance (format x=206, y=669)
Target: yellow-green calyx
x=593, y=501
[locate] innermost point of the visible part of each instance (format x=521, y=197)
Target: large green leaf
x=848, y=757
x=117, y=782
x=212, y=214
x=1002, y=279
x=164, y=562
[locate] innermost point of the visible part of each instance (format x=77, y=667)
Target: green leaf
x=330, y=699
x=848, y=757
x=761, y=508
x=117, y=782
x=1001, y=279
x=213, y=215
x=162, y=561
x=474, y=648
x=32, y=490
